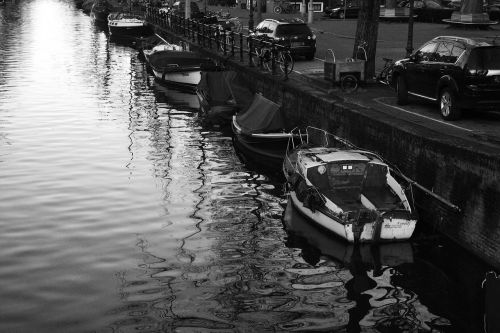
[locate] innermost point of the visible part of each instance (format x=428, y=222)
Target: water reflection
x=369, y=277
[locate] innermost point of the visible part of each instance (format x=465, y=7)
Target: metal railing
x=238, y=46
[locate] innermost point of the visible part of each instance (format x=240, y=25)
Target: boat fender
x=377, y=228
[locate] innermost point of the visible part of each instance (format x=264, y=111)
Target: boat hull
x=129, y=30
x=392, y=229
x=181, y=68
x=186, y=78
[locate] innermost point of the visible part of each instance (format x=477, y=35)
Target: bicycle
x=385, y=75
x=232, y=25
x=285, y=9
x=283, y=59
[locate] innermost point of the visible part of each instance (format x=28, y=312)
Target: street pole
x=187, y=14
x=310, y=12
x=409, y=44
x=250, y=19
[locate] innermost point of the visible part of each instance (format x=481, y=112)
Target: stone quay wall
x=462, y=172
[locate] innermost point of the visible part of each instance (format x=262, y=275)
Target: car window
x=443, y=52
x=457, y=52
x=426, y=53
x=484, y=58
x=448, y=52
x=292, y=29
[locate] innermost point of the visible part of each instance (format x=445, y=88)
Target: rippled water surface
x=120, y=212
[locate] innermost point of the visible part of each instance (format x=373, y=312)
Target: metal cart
x=348, y=73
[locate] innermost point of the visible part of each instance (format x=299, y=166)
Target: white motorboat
x=353, y=193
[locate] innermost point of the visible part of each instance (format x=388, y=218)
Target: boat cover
x=262, y=116
x=216, y=86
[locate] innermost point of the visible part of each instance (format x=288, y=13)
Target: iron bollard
x=241, y=47
x=273, y=58
x=231, y=34
x=250, y=48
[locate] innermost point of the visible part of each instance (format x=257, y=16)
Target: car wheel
x=341, y=15
x=278, y=9
x=448, y=105
x=401, y=90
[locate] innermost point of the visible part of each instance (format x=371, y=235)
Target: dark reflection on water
x=120, y=212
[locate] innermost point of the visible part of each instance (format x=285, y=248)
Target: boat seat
x=382, y=197
x=347, y=198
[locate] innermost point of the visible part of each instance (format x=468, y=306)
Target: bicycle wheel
x=286, y=62
x=266, y=60
x=349, y=83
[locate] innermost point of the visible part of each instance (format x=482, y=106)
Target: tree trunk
x=367, y=32
x=471, y=7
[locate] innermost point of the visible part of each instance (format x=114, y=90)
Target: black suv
x=294, y=33
x=459, y=73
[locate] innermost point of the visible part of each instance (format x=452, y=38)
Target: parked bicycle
x=233, y=24
x=283, y=59
x=285, y=8
x=225, y=28
x=385, y=75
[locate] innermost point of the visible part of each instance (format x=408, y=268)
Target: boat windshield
x=348, y=174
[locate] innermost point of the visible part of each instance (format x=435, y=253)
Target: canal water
x=121, y=212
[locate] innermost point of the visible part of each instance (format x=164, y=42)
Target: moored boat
x=218, y=102
x=127, y=24
x=100, y=11
x=261, y=133
x=171, y=64
x=352, y=192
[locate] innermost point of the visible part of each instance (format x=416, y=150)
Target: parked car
x=349, y=9
x=294, y=33
x=179, y=8
x=432, y=11
x=458, y=73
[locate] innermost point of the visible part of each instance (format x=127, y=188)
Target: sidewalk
x=338, y=35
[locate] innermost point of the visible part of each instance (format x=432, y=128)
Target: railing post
x=273, y=57
x=285, y=62
x=250, y=47
x=217, y=38
x=232, y=43
x=241, y=47
x=198, y=33
x=210, y=37
x=203, y=34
